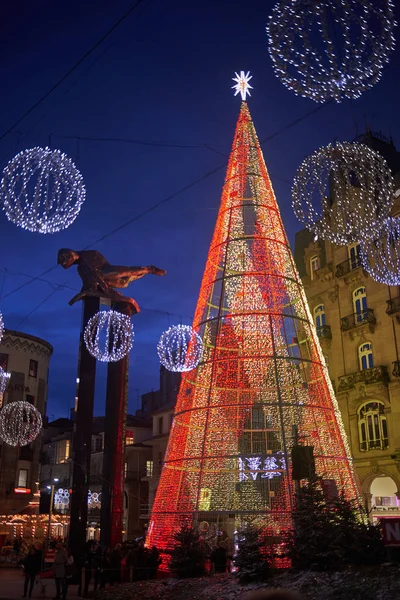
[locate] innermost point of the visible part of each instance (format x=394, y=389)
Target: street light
x=51, y=488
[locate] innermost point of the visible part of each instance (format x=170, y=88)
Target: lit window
x=372, y=426
x=23, y=478
x=365, y=356
x=354, y=256
x=61, y=451
x=319, y=316
x=314, y=265
x=360, y=304
x=149, y=468
x=129, y=438
x=33, y=368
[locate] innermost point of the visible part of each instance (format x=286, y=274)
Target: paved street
x=12, y=586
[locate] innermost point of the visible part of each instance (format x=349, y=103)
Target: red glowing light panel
x=262, y=375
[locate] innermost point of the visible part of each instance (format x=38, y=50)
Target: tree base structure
x=262, y=385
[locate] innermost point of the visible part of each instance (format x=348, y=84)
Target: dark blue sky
x=164, y=75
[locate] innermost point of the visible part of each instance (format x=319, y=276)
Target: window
x=23, y=478
x=61, y=452
x=97, y=443
x=160, y=425
x=360, y=304
x=149, y=468
x=129, y=438
x=365, y=357
x=354, y=256
x=33, y=368
x=314, y=265
x=372, y=426
x=30, y=399
x=319, y=316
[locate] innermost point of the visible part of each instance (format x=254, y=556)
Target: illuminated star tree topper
x=242, y=85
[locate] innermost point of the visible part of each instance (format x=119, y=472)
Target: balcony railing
x=25, y=453
x=358, y=319
x=145, y=511
x=324, y=332
x=374, y=445
x=367, y=377
x=345, y=267
x=393, y=305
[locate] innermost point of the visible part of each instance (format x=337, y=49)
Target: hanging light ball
x=4, y=379
x=342, y=193
x=42, y=190
x=109, y=336
x=380, y=255
x=180, y=348
x=20, y=423
x=330, y=49
x=1, y=327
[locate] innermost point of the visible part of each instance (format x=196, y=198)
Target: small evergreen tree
x=188, y=556
x=331, y=534
x=362, y=542
x=312, y=543
x=250, y=559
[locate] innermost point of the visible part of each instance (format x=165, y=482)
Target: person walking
x=116, y=560
x=32, y=568
x=60, y=570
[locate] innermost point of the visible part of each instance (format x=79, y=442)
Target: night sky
x=163, y=77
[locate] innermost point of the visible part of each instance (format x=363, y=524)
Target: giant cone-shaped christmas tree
x=262, y=382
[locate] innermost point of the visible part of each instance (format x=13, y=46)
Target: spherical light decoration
x=380, y=255
x=109, y=336
x=343, y=193
x=42, y=190
x=330, y=49
x=180, y=348
x=4, y=379
x=20, y=423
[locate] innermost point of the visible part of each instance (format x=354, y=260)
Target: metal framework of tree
x=262, y=376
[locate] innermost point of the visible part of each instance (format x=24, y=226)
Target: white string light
x=380, y=255
x=342, y=193
x=180, y=348
x=4, y=379
x=109, y=336
x=20, y=423
x=1, y=327
x=331, y=49
x=42, y=190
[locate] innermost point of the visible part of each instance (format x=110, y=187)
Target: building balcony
x=393, y=305
x=365, y=317
x=145, y=511
x=25, y=453
x=367, y=377
x=374, y=445
x=347, y=266
x=324, y=332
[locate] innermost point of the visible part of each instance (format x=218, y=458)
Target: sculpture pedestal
x=82, y=438
x=112, y=497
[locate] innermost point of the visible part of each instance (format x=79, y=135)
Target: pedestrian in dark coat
x=60, y=570
x=32, y=565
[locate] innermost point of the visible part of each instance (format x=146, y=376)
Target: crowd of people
x=125, y=563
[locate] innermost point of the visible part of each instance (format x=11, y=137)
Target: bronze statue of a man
x=99, y=278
